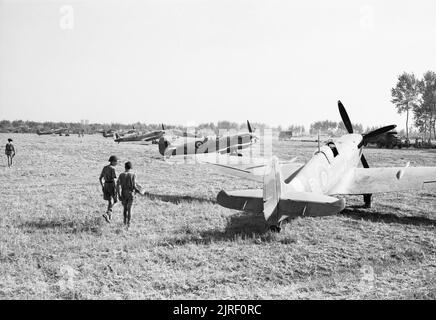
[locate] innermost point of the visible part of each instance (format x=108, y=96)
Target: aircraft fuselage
x=225, y=144
x=328, y=166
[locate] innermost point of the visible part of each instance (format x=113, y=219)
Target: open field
x=55, y=244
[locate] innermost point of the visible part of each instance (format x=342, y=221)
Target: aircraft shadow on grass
x=240, y=226
x=247, y=226
x=244, y=226
x=358, y=213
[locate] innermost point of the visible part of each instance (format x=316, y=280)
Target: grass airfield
x=54, y=244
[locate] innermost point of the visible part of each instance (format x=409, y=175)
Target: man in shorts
x=10, y=152
x=126, y=188
x=109, y=176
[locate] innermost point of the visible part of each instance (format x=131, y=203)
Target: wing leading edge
x=379, y=180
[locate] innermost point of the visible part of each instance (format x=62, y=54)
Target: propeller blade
x=163, y=128
x=364, y=162
x=375, y=133
x=345, y=118
x=249, y=127
x=379, y=131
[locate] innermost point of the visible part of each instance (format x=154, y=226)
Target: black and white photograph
x=247, y=151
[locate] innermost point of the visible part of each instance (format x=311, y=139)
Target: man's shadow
x=93, y=225
x=177, y=199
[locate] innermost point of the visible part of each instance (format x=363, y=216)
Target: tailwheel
x=367, y=199
x=275, y=228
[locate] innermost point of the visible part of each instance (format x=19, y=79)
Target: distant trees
x=74, y=127
x=406, y=95
x=425, y=111
x=419, y=96
x=297, y=130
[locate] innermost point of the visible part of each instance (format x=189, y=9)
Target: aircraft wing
x=249, y=168
x=379, y=180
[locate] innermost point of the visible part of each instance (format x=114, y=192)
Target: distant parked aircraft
x=152, y=136
x=59, y=131
x=225, y=144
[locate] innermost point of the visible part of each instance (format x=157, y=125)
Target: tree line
x=417, y=97
x=323, y=127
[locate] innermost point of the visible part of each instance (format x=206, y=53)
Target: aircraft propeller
x=345, y=118
x=250, y=130
x=249, y=127
x=366, y=137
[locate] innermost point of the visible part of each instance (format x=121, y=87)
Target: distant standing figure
x=109, y=187
x=127, y=183
x=10, y=152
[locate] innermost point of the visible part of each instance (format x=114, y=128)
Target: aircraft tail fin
x=272, y=188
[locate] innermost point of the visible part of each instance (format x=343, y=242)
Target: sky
x=193, y=61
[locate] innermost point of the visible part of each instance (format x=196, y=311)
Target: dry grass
x=54, y=243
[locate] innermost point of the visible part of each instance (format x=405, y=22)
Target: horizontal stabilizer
x=291, y=204
x=309, y=204
x=243, y=200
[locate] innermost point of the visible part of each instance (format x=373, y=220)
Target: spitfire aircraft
x=59, y=131
x=228, y=144
x=311, y=189
x=152, y=136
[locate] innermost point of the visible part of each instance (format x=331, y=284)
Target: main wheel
x=275, y=229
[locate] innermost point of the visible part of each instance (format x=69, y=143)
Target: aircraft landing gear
x=367, y=200
x=275, y=229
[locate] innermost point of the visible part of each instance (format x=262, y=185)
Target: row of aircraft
x=291, y=189
x=193, y=143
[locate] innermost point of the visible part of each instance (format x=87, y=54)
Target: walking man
x=109, y=176
x=126, y=188
x=10, y=152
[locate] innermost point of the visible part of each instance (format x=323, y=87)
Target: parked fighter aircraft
x=108, y=133
x=292, y=190
x=52, y=131
x=225, y=144
x=152, y=136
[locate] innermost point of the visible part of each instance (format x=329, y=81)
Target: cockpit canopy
x=329, y=150
x=332, y=146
